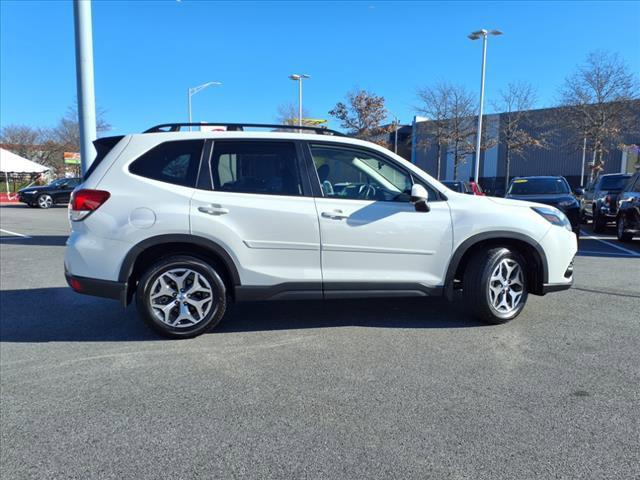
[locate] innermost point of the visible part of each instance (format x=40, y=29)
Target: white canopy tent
x=10, y=163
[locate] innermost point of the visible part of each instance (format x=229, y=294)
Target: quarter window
x=171, y=162
x=268, y=168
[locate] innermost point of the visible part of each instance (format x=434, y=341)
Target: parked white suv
x=189, y=221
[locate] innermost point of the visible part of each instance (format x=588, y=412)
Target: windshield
x=57, y=182
x=538, y=186
x=614, y=183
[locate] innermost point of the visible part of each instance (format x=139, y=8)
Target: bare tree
x=288, y=114
x=599, y=95
x=435, y=106
x=462, y=126
x=515, y=102
x=67, y=132
x=362, y=115
x=47, y=145
x=21, y=139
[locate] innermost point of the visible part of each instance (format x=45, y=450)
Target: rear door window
x=267, y=168
x=174, y=162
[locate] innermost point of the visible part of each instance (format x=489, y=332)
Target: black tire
x=476, y=283
x=620, y=227
x=599, y=223
x=209, y=320
x=583, y=218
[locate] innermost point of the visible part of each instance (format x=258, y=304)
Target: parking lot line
x=594, y=252
x=16, y=234
x=610, y=244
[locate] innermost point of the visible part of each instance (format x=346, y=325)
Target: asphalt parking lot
x=344, y=389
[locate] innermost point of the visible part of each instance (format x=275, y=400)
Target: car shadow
x=37, y=240
x=61, y=315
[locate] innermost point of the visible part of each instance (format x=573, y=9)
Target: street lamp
x=481, y=34
x=396, y=123
x=298, y=77
x=192, y=91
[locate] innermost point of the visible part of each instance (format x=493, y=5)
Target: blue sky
x=147, y=53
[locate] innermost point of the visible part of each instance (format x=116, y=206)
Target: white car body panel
x=278, y=239
x=384, y=241
x=272, y=239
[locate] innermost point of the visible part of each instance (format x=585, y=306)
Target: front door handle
x=335, y=215
x=214, y=209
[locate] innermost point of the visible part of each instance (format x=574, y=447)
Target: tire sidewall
x=143, y=301
x=486, y=276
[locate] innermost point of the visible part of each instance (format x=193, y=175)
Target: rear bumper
x=97, y=287
x=556, y=287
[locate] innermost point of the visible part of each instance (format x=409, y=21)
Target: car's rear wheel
x=45, y=201
x=181, y=296
x=495, y=285
x=620, y=230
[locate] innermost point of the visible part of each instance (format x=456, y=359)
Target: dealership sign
x=71, y=158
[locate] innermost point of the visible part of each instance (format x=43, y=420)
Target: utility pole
x=192, y=91
x=584, y=157
x=298, y=77
x=395, y=141
x=84, y=81
x=475, y=36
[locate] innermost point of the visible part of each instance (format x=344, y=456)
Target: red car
x=471, y=188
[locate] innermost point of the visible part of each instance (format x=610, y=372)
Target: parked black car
x=628, y=218
x=600, y=200
x=58, y=191
x=554, y=191
x=457, y=186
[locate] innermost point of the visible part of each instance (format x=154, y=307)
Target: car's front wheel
x=495, y=285
x=45, y=201
x=181, y=296
x=599, y=223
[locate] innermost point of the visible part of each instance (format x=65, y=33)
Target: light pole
x=298, y=77
x=192, y=91
x=84, y=75
x=475, y=36
x=395, y=140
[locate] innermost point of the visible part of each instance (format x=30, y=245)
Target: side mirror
x=419, y=198
x=579, y=191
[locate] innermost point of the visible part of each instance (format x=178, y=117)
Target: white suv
x=190, y=221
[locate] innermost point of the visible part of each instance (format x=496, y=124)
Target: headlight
x=28, y=192
x=553, y=216
x=568, y=203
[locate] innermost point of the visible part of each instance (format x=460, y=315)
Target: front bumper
x=29, y=198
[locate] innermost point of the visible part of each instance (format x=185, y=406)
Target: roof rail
x=239, y=127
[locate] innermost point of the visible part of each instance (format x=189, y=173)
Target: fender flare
x=493, y=235
x=126, y=269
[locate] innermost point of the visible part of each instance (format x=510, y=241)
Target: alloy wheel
x=45, y=201
x=181, y=297
x=506, y=286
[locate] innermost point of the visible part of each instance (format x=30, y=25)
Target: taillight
x=83, y=202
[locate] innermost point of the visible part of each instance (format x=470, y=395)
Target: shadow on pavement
x=60, y=315
x=37, y=240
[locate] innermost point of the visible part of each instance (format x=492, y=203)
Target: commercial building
x=563, y=154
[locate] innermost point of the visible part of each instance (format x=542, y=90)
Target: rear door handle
x=335, y=215
x=214, y=209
